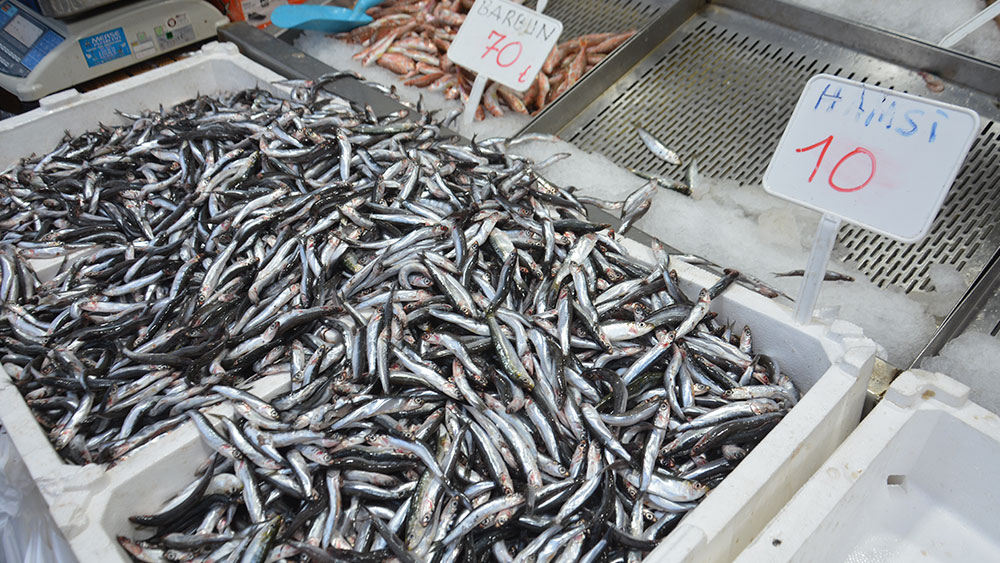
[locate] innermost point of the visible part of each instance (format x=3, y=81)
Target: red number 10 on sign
x=859, y=152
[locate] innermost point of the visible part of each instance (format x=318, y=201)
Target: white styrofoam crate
x=91, y=504
x=916, y=481
x=829, y=362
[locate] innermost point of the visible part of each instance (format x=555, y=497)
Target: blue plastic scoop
x=330, y=19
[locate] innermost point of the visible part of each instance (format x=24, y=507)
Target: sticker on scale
x=505, y=42
x=175, y=31
x=143, y=47
x=104, y=47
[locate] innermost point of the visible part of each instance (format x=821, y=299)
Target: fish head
x=130, y=546
x=697, y=489
x=642, y=327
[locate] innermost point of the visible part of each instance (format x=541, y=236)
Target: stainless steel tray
x=593, y=16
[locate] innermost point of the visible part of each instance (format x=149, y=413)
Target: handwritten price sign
x=871, y=156
x=505, y=42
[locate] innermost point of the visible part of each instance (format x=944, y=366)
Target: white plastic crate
x=830, y=363
x=916, y=481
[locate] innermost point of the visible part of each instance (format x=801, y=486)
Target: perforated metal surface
x=594, y=16
x=720, y=90
x=963, y=233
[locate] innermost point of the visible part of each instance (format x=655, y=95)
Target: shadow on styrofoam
x=915, y=481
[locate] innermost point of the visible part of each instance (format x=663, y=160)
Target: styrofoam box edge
x=911, y=392
x=216, y=67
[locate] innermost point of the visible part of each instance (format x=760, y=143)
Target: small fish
x=413, y=41
x=656, y=147
x=683, y=188
x=829, y=275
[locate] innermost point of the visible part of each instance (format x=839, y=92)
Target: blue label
x=104, y=47
x=50, y=40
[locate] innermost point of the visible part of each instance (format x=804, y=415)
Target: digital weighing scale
x=40, y=55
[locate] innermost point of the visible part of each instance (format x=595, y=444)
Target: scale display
x=24, y=40
x=41, y=55
x=23, y=30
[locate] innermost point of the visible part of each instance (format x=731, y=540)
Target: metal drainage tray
x=720, y=80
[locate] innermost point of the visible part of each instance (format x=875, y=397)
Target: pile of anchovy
x=474, y=369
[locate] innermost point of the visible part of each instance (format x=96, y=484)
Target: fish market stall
x=292, y=315
x=911, y=298
x=95, y=473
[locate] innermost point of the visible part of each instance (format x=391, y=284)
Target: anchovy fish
x=466, y=364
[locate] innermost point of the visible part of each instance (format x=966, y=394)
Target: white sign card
x=871, y=156
x=505, y=42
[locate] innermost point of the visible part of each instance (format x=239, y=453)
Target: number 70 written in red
x=506, y=53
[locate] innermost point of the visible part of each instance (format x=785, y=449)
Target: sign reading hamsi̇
x=870, y=156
